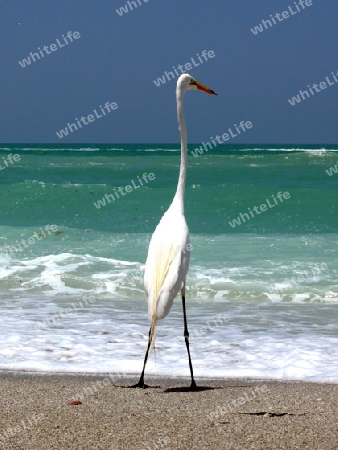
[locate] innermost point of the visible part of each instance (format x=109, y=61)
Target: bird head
x=187, y=82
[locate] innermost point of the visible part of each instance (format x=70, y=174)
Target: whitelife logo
x=72, y=126
x=206, y=146
x=186, y=68
x=300, y=6
x=53, y=47
x=129, y=7
x=124, y=190
x=262, y=208
x=9, y=160
x=47, y=231
x=316, y=87
x=332, y=170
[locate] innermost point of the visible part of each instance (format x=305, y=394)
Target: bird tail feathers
x=152, y=335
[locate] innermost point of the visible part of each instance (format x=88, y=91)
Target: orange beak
x=203, y=88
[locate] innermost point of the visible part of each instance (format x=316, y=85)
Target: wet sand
x=226, y=414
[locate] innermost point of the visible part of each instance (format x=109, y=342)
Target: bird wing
x=163, y=256
x=160, y=258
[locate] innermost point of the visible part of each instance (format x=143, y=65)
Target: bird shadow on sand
x=174, y=389
x=188, y=389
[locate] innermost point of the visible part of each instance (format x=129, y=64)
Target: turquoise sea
x=262, y=294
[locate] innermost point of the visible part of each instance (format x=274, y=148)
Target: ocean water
x=262, y=290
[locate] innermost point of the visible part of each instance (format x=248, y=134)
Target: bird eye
x=193, y=82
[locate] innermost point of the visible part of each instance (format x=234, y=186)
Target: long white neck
x=179, y=196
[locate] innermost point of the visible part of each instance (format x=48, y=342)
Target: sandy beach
x=36, y=413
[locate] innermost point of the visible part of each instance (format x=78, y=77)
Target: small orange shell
x=75, y=402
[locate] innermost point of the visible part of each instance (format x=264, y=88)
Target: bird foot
x=139, y=385
x=193, y=386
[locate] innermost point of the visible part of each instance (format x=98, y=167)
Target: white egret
x=169, y=249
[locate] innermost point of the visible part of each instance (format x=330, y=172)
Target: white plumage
x=167, y=263
x=169, y=249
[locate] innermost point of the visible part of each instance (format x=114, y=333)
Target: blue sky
x=118, y=57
